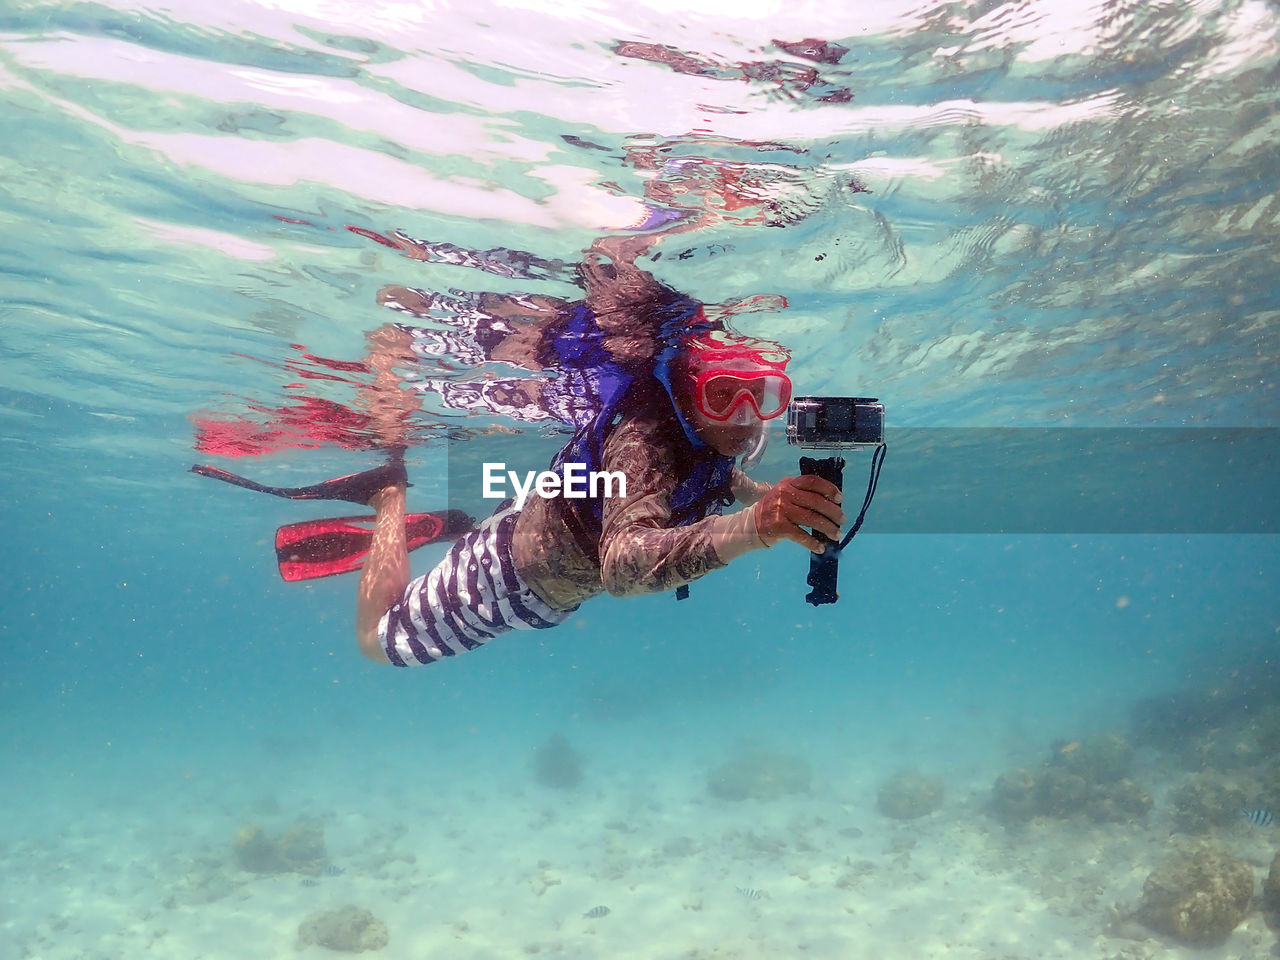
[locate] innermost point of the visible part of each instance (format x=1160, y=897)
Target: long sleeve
x=746, y=490
x=639, y=551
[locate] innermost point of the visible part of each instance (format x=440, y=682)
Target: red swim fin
x=323, y=548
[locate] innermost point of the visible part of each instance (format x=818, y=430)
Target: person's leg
x=386, y=571
x=471, y=596
x=389, y=405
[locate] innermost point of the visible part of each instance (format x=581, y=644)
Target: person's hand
x=797, y=502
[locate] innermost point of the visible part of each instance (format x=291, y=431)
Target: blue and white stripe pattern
x=1259, y=817
x=473, y=595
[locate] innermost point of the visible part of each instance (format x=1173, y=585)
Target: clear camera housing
x=835, y=423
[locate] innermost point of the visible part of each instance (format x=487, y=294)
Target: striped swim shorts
x=473, y=595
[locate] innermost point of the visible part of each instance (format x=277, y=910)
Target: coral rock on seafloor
x=1015, y=795
x=347, y=929
x=759, y=775
x=1100, y=758
x=1055, y=791
x=300, y=849
x=1120, y=802
x=908, y=794
x=1198, y=896
x=1206, y=801
x=557, y=764
x=1271, y=887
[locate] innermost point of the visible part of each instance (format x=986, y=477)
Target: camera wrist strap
x=877, y=461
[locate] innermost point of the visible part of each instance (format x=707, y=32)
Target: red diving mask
x=731, y=374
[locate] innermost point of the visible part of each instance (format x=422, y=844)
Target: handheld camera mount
x=835, y=423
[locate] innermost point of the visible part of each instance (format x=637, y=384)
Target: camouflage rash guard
x=638, y=551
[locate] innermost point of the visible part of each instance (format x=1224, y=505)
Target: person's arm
x=747, y=491
x=639, y=551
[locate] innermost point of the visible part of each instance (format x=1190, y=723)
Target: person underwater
x=676, y=438
x=673, y=418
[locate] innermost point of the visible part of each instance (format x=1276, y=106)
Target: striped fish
x=310, y=882
x=751, y=893
x=1259, y=817
x=595, y=913
x=333, y=870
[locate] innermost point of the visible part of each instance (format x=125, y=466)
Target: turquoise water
x=1004, y=215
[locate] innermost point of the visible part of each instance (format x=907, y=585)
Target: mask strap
x=662, y=373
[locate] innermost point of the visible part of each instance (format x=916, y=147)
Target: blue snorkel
x=662, y=371
x=674, y=331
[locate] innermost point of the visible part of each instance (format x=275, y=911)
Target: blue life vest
x=704, y=488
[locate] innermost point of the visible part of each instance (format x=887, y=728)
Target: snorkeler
x=674, y=428
x=671, y=412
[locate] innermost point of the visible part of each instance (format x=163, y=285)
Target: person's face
x=727, y=439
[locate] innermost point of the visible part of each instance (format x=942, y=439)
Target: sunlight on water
x=1003, y=215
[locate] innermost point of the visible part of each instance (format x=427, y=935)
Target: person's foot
x=363, y=487
x=385, y=497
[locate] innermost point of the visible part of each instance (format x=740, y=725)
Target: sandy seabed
x=460, y=865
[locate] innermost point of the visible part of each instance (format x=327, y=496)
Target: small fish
x=333, y=870
x=310, y=882
x=595, y=913
x=751, y=893
x=1259, y=817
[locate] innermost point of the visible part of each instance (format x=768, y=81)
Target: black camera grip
x=828, y=468
x=824, y=568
